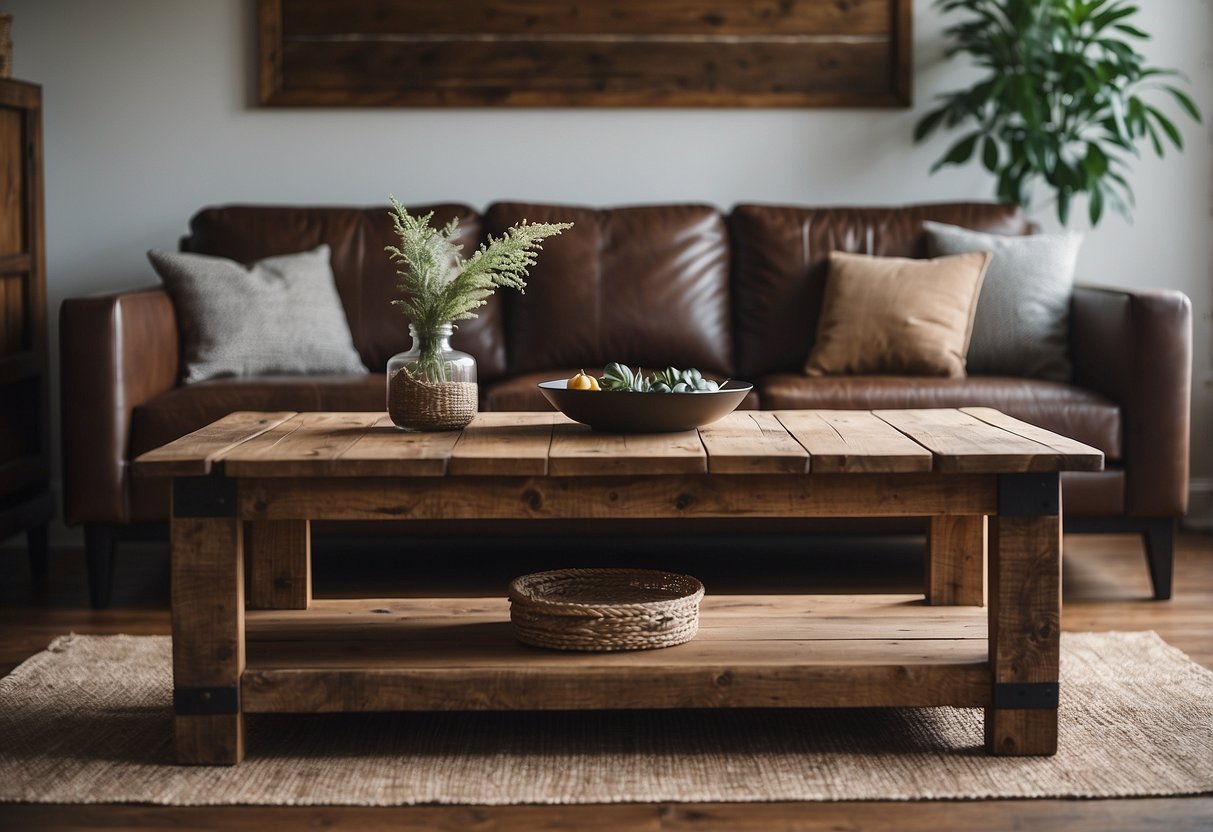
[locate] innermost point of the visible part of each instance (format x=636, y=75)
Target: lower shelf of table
x=751, y=651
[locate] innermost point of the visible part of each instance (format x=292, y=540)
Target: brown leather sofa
x=733, y=294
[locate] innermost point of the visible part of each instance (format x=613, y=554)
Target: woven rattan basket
x=422, y=405
x=605, y=609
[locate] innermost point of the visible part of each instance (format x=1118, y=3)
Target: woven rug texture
x=89, y=720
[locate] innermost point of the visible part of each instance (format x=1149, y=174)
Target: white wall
x=149, y=115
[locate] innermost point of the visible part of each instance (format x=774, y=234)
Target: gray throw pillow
x=1021, y=327
x=277, y=315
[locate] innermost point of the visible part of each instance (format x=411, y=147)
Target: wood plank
x=279, y=554
x=428, y=622
x=480, y=665
x=1025, y=628
x=752, y=442
x=570, y=71
x=956, y=560
x=13, y=184
x=717, y=495
x=579, y=451
x=953, y=679
x=194, y=454
x=1074, y=455
x=386, y=451
x=504, y=444
x=853, y=441
x=305, y=445
x=1175, y=814
x=321, y=19
x=208, y=632
x=961, y=442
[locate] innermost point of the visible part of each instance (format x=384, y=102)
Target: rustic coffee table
x=246, y=487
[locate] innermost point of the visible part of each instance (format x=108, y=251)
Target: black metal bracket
x=206, y=701
x=213, y=496
x=1026, y=695
x=1029, y=495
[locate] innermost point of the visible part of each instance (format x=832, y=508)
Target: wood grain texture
x=1025, y=627
x=956, y=560
x=1072, y=454
x=194, y=454
x=12, y=182
x=279, y=556
x=853, y=441
x=961, y=442
x=1176, y=814
x=386, y=451
x=413, y=621
x=752, y=442
x=504, y=444
x=307, y=444
x=579, y=451
x=320, y=18
x=208, y=632
x=752, y=651
x=717, y=495
x=609, y=53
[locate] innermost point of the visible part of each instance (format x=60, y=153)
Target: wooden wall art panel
x=543, y=53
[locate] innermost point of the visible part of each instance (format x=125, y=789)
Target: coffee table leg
x=208, y=624
x=1025, y=615
x=280, y=564
x=956, y=559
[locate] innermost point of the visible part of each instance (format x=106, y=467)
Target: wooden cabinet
x=25, y=499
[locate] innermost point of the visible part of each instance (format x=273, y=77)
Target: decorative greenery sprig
x=1060, y=101
x=439, y=286
x=620, y=378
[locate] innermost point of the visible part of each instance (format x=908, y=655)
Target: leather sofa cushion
x=366, y=278
x=193, y=406
x=1062, y=408
x=779, y=266
x=645, y=286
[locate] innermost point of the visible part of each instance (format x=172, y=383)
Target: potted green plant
x=432, y=386
x=1064, y=99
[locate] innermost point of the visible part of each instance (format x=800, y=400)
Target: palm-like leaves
x=1062, y=100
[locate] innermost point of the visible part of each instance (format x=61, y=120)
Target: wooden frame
x=544, y=53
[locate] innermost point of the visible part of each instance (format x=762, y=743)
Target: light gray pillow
x=277, y=315
x=1021, y=327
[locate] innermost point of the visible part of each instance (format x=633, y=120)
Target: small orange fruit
x=581, y=381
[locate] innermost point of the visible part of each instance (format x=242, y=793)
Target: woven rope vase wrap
x=424, y=405
x=605, y=609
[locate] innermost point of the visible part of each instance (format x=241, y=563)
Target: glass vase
x=431, y=386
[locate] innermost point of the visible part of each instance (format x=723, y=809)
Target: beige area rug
x=89, y=720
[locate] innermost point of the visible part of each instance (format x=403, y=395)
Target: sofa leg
x=99, y=551
x=36, y=538
x=1159, y=539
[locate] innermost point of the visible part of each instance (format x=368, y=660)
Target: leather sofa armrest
x=116, y=352
x=1135, y=347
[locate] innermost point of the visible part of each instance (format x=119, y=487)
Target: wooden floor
x=1106, y=588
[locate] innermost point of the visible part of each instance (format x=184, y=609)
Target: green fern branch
x=439, y=286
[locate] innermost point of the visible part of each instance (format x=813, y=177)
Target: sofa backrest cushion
x=365, y=277
x=647, y=286
x=780, y=258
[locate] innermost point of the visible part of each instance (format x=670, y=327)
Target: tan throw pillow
x=893, y=315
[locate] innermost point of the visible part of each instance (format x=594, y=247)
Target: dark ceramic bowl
x=643, y=412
